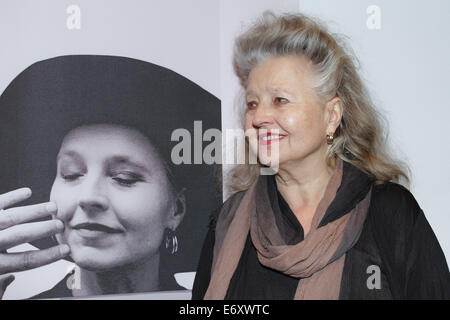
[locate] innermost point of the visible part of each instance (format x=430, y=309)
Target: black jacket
x=396, y=242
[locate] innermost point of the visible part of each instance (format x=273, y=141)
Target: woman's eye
x=280, y=100
x=127, y=179
x=251, y=105
x=71, y=177
x=125, y=182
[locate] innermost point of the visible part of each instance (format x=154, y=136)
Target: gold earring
x=330, y=138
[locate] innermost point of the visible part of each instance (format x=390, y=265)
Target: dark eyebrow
x=125, y=160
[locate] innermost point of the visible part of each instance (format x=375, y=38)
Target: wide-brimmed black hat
x=51, y=97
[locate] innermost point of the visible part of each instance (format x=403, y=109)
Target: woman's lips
x=269, y=138
x=94, y=230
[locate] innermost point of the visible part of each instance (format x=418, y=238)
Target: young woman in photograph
x=92, y=135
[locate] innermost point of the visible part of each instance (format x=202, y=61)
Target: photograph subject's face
x=112, y=194
x=280, y=98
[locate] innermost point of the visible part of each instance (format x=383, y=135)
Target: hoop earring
x=330, y=138
x=171, y=242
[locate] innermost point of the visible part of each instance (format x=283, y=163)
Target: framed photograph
x=111, y=120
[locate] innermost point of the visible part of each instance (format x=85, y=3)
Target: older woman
x=332, y=223
x=91, y=138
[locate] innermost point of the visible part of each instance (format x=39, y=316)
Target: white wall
x=177, y=34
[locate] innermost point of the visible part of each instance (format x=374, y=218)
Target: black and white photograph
x=102, y=189
x=91, y=133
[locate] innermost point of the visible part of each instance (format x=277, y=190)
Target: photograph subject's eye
x=71, y=176
x=127, y=179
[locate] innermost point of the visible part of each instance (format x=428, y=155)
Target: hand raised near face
x=16, y=228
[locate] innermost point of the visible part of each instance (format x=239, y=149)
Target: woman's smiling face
x=281, y=100
x=113, y=195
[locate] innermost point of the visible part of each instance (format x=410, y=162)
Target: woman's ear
x=334, y=113
x=178, y=210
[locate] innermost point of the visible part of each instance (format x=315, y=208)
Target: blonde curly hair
x=361, y=138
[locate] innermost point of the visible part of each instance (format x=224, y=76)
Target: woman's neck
x=141, y=276
x=303, y=183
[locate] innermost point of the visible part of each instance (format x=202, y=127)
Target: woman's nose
x=263, y=115
x=93, y=197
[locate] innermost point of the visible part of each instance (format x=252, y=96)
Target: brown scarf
x=318, y=260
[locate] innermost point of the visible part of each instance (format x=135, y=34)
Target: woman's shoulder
x=408, y=246
x=392, y=190
x=395, y=214
x=393, y=202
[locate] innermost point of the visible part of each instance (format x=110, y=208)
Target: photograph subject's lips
x=93, y=229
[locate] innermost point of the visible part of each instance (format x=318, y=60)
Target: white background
x=180, y=35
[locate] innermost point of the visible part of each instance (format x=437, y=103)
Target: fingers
x=16, y=262
x=13, y=197
x=29, y=232
x=18, y=215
